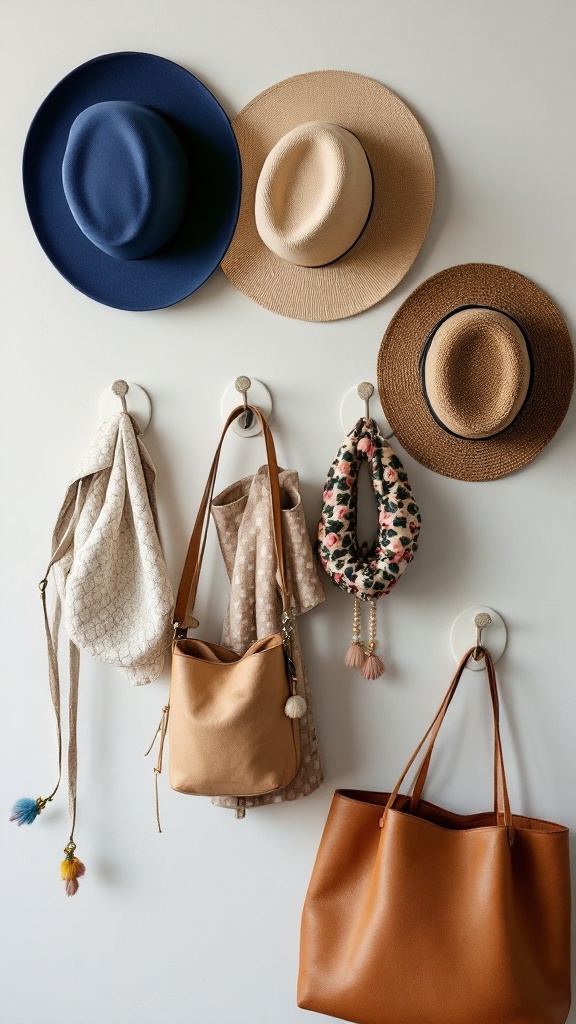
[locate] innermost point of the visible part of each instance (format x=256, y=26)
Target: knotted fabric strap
x=52, y=634
x=54, y=679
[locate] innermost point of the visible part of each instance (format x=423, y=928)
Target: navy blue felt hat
x=132, y=180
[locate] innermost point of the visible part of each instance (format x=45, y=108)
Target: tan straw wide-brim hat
x=337, y=195
x=475, y=372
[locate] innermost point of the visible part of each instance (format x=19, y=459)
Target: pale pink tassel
x=373, y=667
x=355, y=655
x=71, y=887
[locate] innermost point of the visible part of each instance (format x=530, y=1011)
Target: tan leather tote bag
x=417, y=915
x=229, y=730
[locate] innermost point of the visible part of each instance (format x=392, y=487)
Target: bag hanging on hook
x=367, y=573
x=232, y=720
x=416, y=914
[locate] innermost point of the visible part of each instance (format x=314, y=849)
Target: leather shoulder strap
x=501, y=800
x=186, y=598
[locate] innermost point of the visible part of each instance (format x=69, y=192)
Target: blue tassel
x=25, y=811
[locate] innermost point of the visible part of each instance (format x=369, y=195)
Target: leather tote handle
x=502, y=803
x=191, y=572
x=499, y=784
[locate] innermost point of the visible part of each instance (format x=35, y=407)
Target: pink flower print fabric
x=368, y=574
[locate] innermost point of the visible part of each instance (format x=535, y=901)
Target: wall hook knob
x=481, y=621
x=349, y=408
x=120, y=388
x=243, y=385
x=365, y=391
x=259, y=398
x=135, y=401
x=482, y=617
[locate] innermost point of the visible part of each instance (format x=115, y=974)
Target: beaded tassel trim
x=363, y=656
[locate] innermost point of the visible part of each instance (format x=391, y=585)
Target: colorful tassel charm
x=71, y=869
x=26, y=810
x=295, y=706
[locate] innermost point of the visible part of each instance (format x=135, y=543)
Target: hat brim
x=206, y=134
x=403, y=176
x=400, y=387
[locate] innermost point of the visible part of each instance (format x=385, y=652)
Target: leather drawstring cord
x=162, y=727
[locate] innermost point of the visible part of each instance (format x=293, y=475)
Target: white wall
x=201, y=923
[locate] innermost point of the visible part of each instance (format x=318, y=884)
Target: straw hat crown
x=337, y=195
x=314, y=194
x=476, y=372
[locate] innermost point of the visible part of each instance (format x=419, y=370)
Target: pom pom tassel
x=295, y=706
x=71, y=869
x=26, y=810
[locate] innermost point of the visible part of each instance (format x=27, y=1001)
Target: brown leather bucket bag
x=417, y=915
x=228, y=729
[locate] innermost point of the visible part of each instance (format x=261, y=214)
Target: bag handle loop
x=501, y=800
x=187, y=590
x=420, y=779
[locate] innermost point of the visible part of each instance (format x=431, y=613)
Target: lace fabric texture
x=243, y=522
x=108, y=564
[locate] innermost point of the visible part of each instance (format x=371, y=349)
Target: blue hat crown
x=125, y=177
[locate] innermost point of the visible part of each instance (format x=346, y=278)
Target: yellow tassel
x=71, y=869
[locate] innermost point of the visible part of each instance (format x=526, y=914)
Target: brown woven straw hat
x=337, y=195
x=475, y=372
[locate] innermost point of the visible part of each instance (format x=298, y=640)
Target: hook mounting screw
x=242, y=384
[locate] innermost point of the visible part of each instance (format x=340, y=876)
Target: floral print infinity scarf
x=367, y=573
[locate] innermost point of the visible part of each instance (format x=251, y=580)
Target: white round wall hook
x=122, y=394
x=256, y=394
x=478, y=624
x=353, y=406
